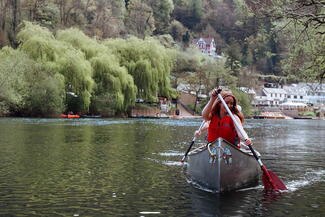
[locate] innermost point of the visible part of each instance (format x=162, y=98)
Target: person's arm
x=242, y=137
x=207, y=108
x=204, y=128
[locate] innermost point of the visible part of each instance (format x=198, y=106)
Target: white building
x=294, y=95
x=270, y=97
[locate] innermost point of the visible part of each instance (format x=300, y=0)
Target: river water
x=131, y=167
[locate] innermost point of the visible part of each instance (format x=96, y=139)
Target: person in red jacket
x=219, y=122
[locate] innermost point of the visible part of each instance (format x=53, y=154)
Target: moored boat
x=69, y=116
x=221, y=166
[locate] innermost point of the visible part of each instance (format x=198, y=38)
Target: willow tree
x=89, y=46
x=115, y=90
x=59, y=57
x=148, y=62
x=12, y=82
x=27, y=87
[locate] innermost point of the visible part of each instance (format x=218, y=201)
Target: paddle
x=193, y=140
x=269, y=179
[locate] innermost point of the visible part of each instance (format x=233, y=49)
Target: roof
x=247, y=90
x=295, y=90
x=206, y=40
x=274, y=90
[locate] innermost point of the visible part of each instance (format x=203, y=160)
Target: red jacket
x=223, y=128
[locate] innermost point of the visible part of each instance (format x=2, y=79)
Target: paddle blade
x=277, y=182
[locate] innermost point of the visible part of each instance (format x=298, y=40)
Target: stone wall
x=153, y=112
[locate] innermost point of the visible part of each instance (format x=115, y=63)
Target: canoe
x=69, y=116
x=221, y=166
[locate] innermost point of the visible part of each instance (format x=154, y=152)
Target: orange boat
x=69, y=116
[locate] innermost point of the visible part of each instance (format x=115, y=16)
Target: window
x=295, y=97
x=301, y=97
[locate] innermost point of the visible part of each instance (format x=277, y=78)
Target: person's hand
x=197, y=133
x=214, y=93
x=248, y=142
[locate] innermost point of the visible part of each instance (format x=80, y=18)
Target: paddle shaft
x=244, y=135
x=193, y=140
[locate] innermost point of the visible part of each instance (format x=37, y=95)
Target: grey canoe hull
x=222, y=166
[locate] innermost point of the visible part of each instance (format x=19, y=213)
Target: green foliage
x=46, y=96
x=280, y=39
x=13, y=86
x=31, y=30
x=139, y=20
x=162, y=10
x=121, y=69
x=307, y=113
x=77, y=72
x=113, y=84
x=90, y=47
x=262, y=30
x=234, y=57
x=177, y=30
x=59, y=56
x=197, y=110
x=27, y=88
x=305, y=60
x=48, y=14
x=244, y=101
x=197, y=70
x=148, y=62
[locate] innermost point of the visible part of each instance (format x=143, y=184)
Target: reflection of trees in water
x=72, y=165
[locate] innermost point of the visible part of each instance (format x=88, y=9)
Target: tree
x=9, y=20
x=177, y=30
x=58, y=56
x=189, y=13
x=161, y=10
x=148, y=62
x=234, y=57
x=303, y=23
x=115, y=89
x=200, y=73
x=27, y=88
x=139, y=19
